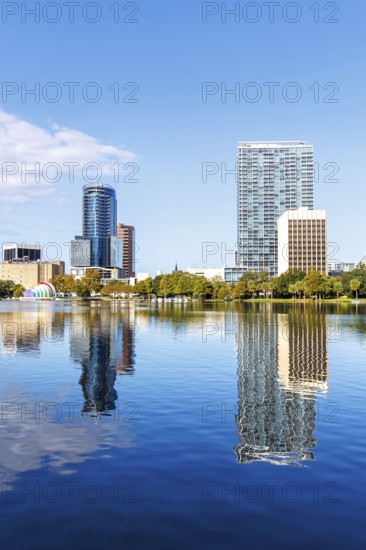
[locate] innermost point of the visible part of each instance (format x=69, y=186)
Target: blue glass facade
x=272, y=177
x=100, y=223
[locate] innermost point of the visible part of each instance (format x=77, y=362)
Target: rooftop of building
x=98, y=185
x=272, y=144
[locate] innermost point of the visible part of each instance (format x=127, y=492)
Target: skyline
x=172, y=131
x=66, y=248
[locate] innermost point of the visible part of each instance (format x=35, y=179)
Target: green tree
x=292, y=289
x=91, y=280
x=252, y=287
x=203, y=288
x=314, y=284
x=164, y=286
x=148, y=286
x=299, y=285
x=338, y=287
x=217, y=284
x=6, y=288
x=18, y=291
x=272, y=287
x=64, y=283
x=225, y=292
x=81, y=289
x=239, y=290
x=355, y=285
x=328, y=285
x=286, y=279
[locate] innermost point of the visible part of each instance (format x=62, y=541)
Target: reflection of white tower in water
x=278, y=382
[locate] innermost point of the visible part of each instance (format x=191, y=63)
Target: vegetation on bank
x=293, y=284
x=253, y=286
x=8, y=289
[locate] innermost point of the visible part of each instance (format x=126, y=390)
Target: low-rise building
x=13, y=252
x=337, y=268
x=208, y=272
x=30, y=274
x=106, y=274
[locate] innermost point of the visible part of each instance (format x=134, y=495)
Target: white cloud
x=23, y=145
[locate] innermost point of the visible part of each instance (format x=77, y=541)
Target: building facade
x=272, y=177
x=30, y=274
x=303, y=240
x=99, y=245
x=337, y=268
x=13, y=252
x=209, y=273
x=126, y=233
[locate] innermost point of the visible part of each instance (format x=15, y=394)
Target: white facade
x=308, y=243
x=341, y=267
x=272, y=177
x=142, y=277
x=105, y=273
x=208, y=272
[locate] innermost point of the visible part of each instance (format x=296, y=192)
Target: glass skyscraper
x=99, y=245
x=99, y=221
x=272, y=177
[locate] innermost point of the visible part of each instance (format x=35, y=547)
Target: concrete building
x=126, y=233
x=337, y=268
x=303, y=240
x=106, y=275
x=208, y=272
x=30, y=274
x=272, y=177
x=13, y=252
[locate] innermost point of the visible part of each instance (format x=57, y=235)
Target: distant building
x=272, y=177
x=363, y=261
x=106, y=275
x=80, y=252
x=99, y=247
x=126, y=233
x=142, y=277
x=337, y=268
x=302, y=240
x=209, y=273
x=30, y=274
x=233, y=274
x=21, y=252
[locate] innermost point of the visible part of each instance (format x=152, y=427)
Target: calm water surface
x=176, y=425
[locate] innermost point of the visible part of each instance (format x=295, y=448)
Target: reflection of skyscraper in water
x=103, y=343
x=126, y=362
x=282, y=364
x=303, y=352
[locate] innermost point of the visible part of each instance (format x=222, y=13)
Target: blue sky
x=170, y=132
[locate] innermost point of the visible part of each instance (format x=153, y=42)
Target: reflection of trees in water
x=24, y=330
x=283, y=364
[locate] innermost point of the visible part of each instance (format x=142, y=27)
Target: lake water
x=180, y=425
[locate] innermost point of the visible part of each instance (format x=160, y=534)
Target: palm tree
x=355, y=285
x=292, y=290
x=338, y=288
x=299, y=285
x=252, y=288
